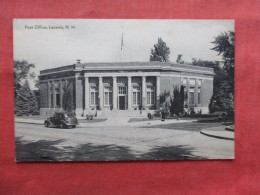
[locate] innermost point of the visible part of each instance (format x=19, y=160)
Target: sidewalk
x=219, y=132
x=113, y=121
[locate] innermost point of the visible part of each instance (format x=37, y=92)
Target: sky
x=47, y=43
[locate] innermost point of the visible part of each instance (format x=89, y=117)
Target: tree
x=206, y=63
x=160, y=52
x=222, y=95
x=164, y=96
x=179, y=59
x=183, y=98
x=220, y=73
x=22, y=72
x=25, y=102
x=225, y=46
x=177, y=101
x=223, y=100
x=67, y=100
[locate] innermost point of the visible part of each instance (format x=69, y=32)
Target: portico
x=121, y=91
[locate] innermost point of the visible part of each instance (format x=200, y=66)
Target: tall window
x=136, y=96
x=52, y=100
x=93, y=96
x=184, y=81
x=108, y=96
x=192, y=82
x=150, y=95
x=191, y=98
x=58, y=100
x=57, y=91
x=199, y=82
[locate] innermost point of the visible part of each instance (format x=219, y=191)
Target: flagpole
x=122, y=54
x=122, y=45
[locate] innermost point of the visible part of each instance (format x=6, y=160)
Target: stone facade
x=123, y=86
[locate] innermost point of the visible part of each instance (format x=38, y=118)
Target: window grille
x=122, y=90
x=136, y=95
x=93, y=96
x=199, y=82
x=192, y=81
x=150, y=95
x=108, y=96
x=191, y=98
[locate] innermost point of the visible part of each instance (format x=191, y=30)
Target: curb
x=35, y=123
x=228, y=128
x=216, y=136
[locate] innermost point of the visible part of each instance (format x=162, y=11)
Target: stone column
x=100, y=93
x=129, y=86
x=86, y=93
x=114, y=93
x=49, y=94
x=158, y=84
x=61, y=94
x=196, y=93
x=143, y=91
x=78, y=94
x=54, y=94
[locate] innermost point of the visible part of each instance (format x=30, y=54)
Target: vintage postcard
x=123, y=90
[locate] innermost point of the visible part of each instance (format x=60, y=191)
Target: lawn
x=194, y=126
x=94, y=120
x=39, y=117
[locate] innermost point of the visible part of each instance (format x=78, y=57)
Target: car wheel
x=73, y=126
x=65, y=126
x=46, y=124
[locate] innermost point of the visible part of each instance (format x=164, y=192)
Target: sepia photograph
x=123, y=89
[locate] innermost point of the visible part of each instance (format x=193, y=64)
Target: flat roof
x=126, y=66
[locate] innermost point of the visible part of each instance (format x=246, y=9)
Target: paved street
x=160, y=141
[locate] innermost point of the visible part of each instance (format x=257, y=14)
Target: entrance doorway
x=122, y=98
x=121, y=102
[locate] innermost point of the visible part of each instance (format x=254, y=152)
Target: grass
x=186, y=126
x=39, y=117
x=132, y=120
x=94, y=120
x=157, y=118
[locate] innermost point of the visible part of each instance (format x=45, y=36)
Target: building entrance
x=122, y=98
x=121, y=102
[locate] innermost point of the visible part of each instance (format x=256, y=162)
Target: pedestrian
x=163, y=116
x=140, y=108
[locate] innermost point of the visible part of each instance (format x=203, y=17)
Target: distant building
x=123, y=85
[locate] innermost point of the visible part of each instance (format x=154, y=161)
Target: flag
x=122, y=41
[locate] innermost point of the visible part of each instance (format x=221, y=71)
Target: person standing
x=163, y=115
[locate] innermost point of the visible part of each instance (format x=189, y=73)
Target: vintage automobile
x=62, y=120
